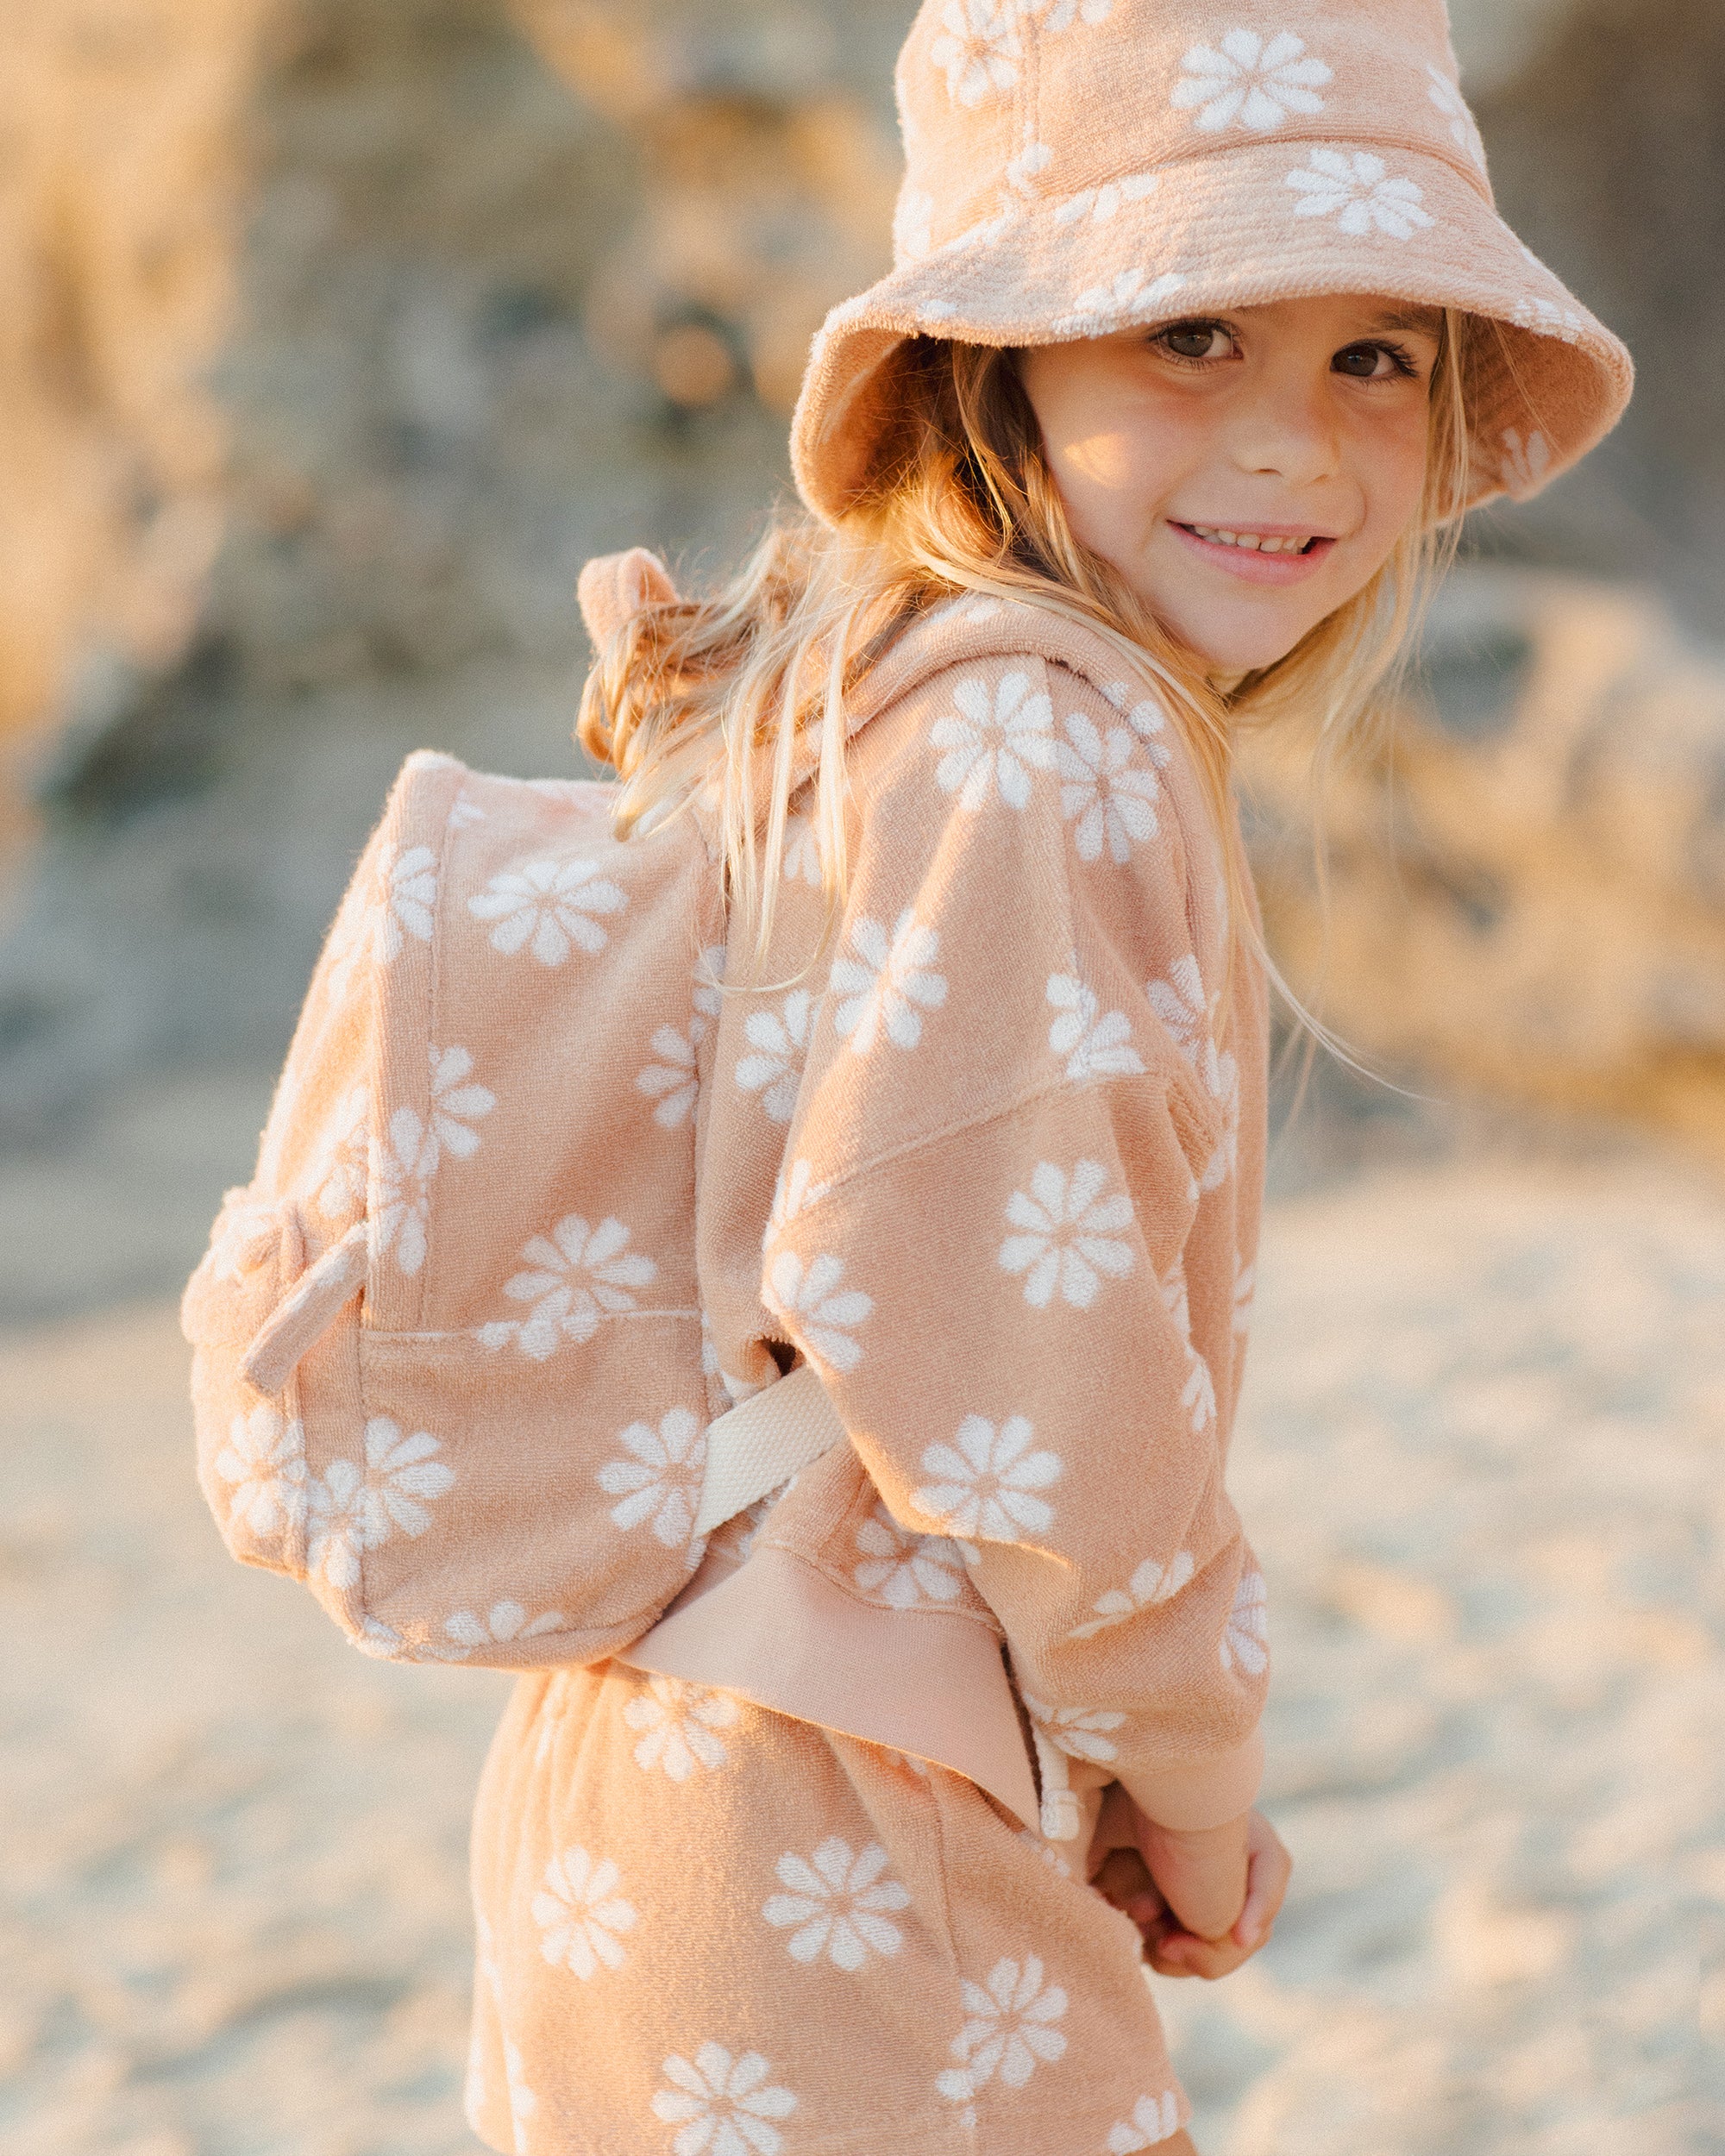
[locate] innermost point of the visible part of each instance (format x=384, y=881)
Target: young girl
x=1203, y=332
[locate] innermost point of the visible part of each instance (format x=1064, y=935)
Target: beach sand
x=1482, y=1461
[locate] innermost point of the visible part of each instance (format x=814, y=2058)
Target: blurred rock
x=1527, y=876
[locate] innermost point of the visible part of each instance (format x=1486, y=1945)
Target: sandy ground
x=1482, y=1459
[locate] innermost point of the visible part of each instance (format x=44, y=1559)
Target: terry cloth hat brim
x=1253, y=222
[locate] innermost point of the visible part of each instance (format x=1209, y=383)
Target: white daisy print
x=1069, y=1235
x=408, y=1154
x=1154, y=2120
x=503, y=1623
x=1526, y=460
x=978, y=50
x=778, y=1041
x=1358, y=189
x=1060, y=1734
x=660, y=1481
x=1145, y=717
x=1221, y=1076
x=823, y=1312
x=1101, y=205
x=575, y=1276
x=802, y=852
x=1246, y=1639
x=549, y=907
x=794, y=1193
x=580, y=1914
x=340, y=1173
x=904, y=1569
x=677, y=1721
x=1150, y=1584
x=1246, y=1287
x=912, y=232
x=264, y=1460
x=672, y=1082
x=1111, y=795
x=993, y=742
x=400, y=901
x=243, y=1236
x=1133, y=296
x=350, y=1509
x=1447, y=97
x=1095, y=1044
x=839, y=1904
x=1179, y=1002
x=1251, y=81
x=1054, y=15
x=523, y=2103
x=889, y=984
x=1008, y=2030
x=722, y=2106
x=987, y=1481
x=465, y=811
x=1548, y=318
x=1198, y=1396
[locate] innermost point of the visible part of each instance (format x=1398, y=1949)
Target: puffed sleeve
x=1008, y=1235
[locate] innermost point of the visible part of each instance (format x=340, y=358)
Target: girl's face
x=1246, y=473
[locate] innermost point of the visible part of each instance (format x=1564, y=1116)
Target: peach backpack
x=373, y=1417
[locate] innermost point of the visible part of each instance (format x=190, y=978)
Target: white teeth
x=1254, y=542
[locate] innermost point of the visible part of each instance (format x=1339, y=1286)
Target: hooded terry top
x=992, y=1165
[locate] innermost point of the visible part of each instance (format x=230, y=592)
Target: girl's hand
x=1204, y=1900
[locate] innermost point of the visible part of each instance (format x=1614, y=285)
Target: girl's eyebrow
x=1418, y=321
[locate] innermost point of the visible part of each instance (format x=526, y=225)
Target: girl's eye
x=1368, y=362
x=1195, y=340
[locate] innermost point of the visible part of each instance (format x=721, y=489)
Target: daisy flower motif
x=677, y=1721
x=501, y=1625
x=1154, y=2120
x=673, y=1083
x=405, y=1156
x=778, y=1041
x=1101, y=205
x=978, y=50
x=794, y=1192
x=1133, y=296
x=993, y=742
x=823, y=1312
x=580, y=1914
x=350, y=1509
x=802, y=853
x=889, y=984
x=1055, y=16
x=1008, y=2030
x=913, y=230
x=1150, y=1584
x=247, y=1230
x=660, y=1481
x=1069, y=1235
x=548, y=908
x=1447, y=97
x=1111, y=796
x=1060, y=1734
x=1358, y=189
x=340, y=1171
x=1180, y=1003
x=1525, y=461
x=987, y=1481
x=904, y=1569
x=1246, y=1639
x=575, y=1276
x=1251, y=81
x=264, y=1460
x=838, y=1903
x=1147, y=719
x=1095, y=1044
x=722, y=2106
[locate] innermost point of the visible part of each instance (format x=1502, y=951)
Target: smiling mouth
x=1257, y=541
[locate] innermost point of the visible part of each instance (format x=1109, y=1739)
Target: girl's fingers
x=1268, y=1871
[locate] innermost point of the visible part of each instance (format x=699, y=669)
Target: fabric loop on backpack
x=298, y=1324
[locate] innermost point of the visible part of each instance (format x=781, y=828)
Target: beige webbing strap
x=761, y=1442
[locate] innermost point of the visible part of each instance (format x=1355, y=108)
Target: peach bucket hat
x=1077, y=167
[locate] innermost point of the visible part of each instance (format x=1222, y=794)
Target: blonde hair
x=741, y=696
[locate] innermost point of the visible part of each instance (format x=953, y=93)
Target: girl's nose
x=1286, y=430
